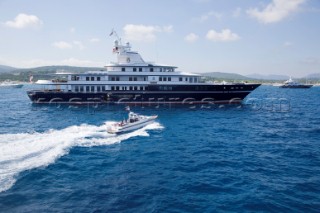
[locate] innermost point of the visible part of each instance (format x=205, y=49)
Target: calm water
x=263, y=155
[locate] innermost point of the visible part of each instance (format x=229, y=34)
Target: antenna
x=114, y=33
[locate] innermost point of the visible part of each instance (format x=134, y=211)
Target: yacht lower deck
x=154, y=95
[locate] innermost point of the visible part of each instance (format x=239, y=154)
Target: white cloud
x=94, y=40
x=24, y=21
x=206, y=16
x=78, y=62
x=275, y=11
x=311, y=61
x=62, y=45
x=168, y=29
x=224, y=36
x=79, y=44
x=144, y=33
x=72, y=30
x=237, y=12
x=191, y=37
x=37, y=62
x=68, y=45
x=287, y=44
x=201, y=1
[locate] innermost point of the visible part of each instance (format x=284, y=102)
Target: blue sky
x=243, y=36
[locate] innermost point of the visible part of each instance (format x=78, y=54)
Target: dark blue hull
x=305, y=86
x=213, y=94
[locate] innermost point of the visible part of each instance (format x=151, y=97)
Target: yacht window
x=87, y=78
x=123, y=88
x=190, y=80
x=164, y=78
x=186, y=79
x=118, y=78
x=77, y=88
x=144, y=78
x=81, y=88
x=92, y=88
x=103, y=88
x=87, y=88
x=112, y=78
x=141, y=88
x=98, y=88
x=134, y=69
x=135, y=78
x=92, y=78
x=130, y=78
x=117, y=87
x=98, y=78
x=169, y=78
x=130, y=88
x=195, y=80
x=160, y=78
x=135, y=88
x=123, y=69
x=180, y=79
x=151, y=69
x=140, y=69
x=112, y=87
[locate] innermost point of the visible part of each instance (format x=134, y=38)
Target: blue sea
x=260, y=156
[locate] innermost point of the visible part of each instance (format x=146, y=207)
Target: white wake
x=25, y=151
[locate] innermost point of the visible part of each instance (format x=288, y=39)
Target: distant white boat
x=11, y=84
x=134, y=121
x=293, y=84
x=277, y=84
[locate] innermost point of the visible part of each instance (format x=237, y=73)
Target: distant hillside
x=19, y=74
x=42, y=72
x=315, y=76
x=221, y=75
x=4, y=69
x=268, y=77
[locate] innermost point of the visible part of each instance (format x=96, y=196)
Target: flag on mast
x=111, y=32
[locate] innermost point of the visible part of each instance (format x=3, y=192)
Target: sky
x=244, y=36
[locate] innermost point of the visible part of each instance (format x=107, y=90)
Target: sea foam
x=25, y=151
